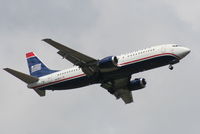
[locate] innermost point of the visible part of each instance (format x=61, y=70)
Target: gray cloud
x=169, y=103
x=72, y=16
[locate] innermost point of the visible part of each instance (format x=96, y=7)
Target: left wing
x=85, y=62
x=119, y=88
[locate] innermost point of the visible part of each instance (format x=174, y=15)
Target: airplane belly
x=148, y=64
x=70, y=84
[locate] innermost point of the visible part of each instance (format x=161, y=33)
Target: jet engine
x=108, y=64
x=137, y=84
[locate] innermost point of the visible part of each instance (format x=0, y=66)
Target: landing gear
x=171, y=67
x=111, y=91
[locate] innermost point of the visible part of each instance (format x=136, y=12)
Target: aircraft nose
x=184, y=51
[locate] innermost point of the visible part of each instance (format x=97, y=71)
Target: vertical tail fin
x=36, y=67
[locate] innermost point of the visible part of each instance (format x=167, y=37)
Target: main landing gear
x=171, y=67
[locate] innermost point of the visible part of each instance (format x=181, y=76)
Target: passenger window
x=175, y=46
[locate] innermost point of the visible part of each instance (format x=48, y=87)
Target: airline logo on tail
x=36, y=67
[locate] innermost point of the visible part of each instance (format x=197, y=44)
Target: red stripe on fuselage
x=149, y=58
x=59, y=81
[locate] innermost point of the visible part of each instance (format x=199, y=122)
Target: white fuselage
x=123, y=60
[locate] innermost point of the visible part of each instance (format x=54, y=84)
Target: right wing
x=125, y=94
x=75, y=57
x=119, y=88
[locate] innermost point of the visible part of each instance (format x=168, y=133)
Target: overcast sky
x=169, y=104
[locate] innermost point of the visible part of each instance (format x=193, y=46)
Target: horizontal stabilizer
x=41, y=93
x=24, y=77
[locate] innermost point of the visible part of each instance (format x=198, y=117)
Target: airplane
x=113, y=73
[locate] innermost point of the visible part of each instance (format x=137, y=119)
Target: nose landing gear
x=171, y=67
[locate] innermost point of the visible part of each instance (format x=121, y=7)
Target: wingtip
x=46, y=39
x=5, y=69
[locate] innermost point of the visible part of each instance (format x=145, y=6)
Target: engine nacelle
x=137, y=84
x=108, y=64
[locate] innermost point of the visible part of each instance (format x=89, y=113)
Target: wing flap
x=119, y=88
x=125, y=95
x=71, y=58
